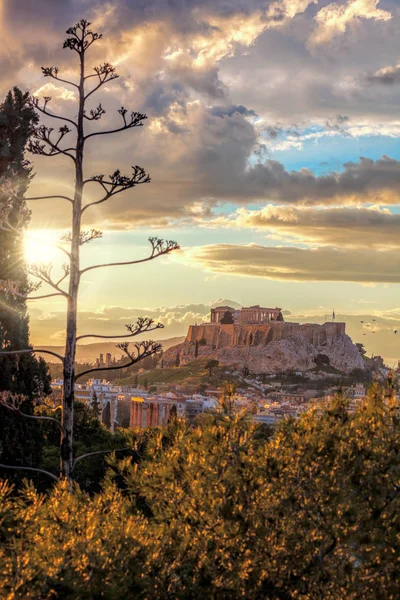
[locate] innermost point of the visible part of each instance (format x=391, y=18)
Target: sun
x=38, y=246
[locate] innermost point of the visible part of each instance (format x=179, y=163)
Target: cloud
x=228, y=111
x=298, y=264
x=387, y=75
x=213, y=117
x=333, y=20
x=345, y=227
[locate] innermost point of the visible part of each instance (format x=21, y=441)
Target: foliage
x=227, y=319
x=90, y=435
x=310, y=512
x=107, y=415
x=20, y=442
x=211, y=365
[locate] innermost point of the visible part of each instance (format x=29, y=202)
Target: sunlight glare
x=38, y=246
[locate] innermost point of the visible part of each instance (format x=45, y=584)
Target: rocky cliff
x=269, y=348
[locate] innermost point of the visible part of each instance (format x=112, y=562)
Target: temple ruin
x=262, y=339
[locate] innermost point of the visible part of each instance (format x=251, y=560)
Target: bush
x=223, y=510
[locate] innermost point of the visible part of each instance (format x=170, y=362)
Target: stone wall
x=219, y=336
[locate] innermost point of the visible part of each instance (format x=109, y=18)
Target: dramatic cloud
x=334, y=19
x=341, y=227
x=298, y=264
x=212, y=115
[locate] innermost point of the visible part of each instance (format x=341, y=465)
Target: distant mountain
x=89, y=352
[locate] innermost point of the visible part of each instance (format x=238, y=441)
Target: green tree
x=95, y=405
x=107, y=415
x=309, y=512
x=21, y=374
x=211, y=365
x=92, y=440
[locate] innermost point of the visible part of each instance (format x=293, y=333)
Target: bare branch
x=117, y=183
x=104, y=74
x=159, y=248
x=12, y=287
x=53, y=73
x=136, y=120
x=35, y=104
x=81, y=37
x=43, y=272
x=49, y=197
x=66, y=268
x=142, y=325
x=30, y=469
x=44, y=296
x=85, y=236
x=95, y=114
x=99, y=452
x=14, y=402
x=30, y=351
x=143, y=349
x=42, y=136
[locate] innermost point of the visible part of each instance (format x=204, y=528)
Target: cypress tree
x=107, y=415
x=20, y=439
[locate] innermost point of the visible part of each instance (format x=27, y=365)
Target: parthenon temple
x=245, y=316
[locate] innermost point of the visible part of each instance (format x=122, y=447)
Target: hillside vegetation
x=222, y=510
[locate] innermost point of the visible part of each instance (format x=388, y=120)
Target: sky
x=272, y=141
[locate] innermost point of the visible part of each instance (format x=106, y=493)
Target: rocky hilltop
x=267, y=347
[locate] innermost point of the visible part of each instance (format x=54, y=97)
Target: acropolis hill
x=261, y=339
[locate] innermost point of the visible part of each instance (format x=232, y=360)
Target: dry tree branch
x=43, y=272
x=159, y=248
x=104, y=74
x=95, y=114
x=99, y=452
x=117, y=183
x=81, y=37
x=142, y=325
x=143, y=349
x=35, y=104
x=41, y=142
x=84, y=237
x=30, y=350
x=12, y=287
x=13, y=403
x=30, y=469
x=44, y=296
x=49, y=198
x=53, y=73
x=136, y=120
